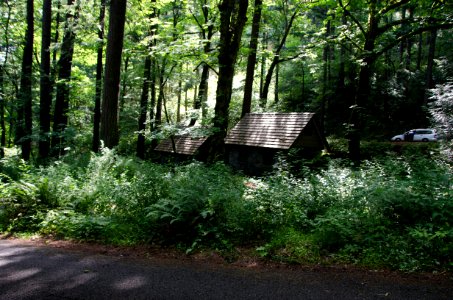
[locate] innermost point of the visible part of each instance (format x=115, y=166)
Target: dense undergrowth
x=395, y=211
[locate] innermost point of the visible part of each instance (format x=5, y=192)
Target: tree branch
x=209, y=66
x=392, y=6
x=375, y=55
x=348, y=14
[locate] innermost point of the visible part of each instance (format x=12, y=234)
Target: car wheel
x=397, y=140
x=425, y=140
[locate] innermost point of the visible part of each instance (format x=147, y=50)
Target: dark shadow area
x=47, y=273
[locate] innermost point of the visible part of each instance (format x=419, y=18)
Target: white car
x=417, y=135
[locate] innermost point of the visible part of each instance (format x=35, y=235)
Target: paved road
x=29, y=272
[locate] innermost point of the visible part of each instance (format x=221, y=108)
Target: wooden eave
x=269, y=130
x=185, y=145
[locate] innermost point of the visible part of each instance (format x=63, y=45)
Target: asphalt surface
x=30, y=272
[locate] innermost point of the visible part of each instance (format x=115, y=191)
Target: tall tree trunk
x=403, y=43
x=325, y=76
x=251, y=60
x=160, y=96
x=409, y=43
x=2, y=84
x=430, y=65
x=232, y=21
x=302, y=104
x=148, y=82
x=56, y=38
x=419, y=51
x=202, y=92
x=265, y=91
x=364, y=85
x=186, y=101
x=109, y=118
x=152, y=113
x=143, y=108
x=341, y=83
x=267, y=82
x=99, y=67
x=178, y=105
x=263, y=65
x=45, y=83
x=24, y=116
x=206, y=31
x=277, y=73
x=124, y=80
x=2, y=114
x=64, y=65
x=153, y=69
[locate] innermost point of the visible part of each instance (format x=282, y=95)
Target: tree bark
x=202, y=92
x=277, y=73
x=232, y=21
x=419, y=51
x=403, y=43
x=152, y=113
x=2, y=85
x=24, y=114
x=148, y=83
x=179, y=98
x=251, y=60
x=364, y=85
x=341, y=83
x=143, y=108
x=64, y=66
x=124, y=81
x=265, y=91
x=45, y=82
x=2, y=113
x=430, y=65
x=109, y=118
x=263, y=65
x=99, y=67
x=325, y=77
x=206, y=33
x=160, y=96
x=409, y=43
x=56, y=37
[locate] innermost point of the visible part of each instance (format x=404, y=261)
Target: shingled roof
x=269, y=130
x=184, y=145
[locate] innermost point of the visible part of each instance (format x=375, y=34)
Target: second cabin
x=253, y=143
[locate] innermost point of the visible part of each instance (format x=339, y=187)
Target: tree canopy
x=366, y=67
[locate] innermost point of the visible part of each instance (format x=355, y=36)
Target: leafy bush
x=394, y=211
x=204, y=205
x=389, y=206
x=107, y=186
x=277, y=202
x=292, y=246
x=70, y=224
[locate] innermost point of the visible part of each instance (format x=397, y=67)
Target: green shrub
x=70, y=224
x=12, y=168
x=204, y=205
x=393, y=211
x=291, y=245
x=19, y=206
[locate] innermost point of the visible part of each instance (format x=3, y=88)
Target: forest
x=89, y=88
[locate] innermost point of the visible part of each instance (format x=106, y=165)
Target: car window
x=423, y=132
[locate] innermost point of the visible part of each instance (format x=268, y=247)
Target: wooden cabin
x=181, y=148
x=253, y=143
